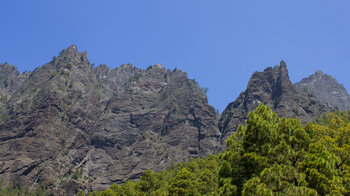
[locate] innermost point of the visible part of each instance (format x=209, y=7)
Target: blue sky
x=219, y=43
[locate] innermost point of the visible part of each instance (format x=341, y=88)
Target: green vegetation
x=269, y=156
x=343, y=115
x=78, y=174
x=135, y=77
x=195, y=177
x=10, y=190
x=279, y=156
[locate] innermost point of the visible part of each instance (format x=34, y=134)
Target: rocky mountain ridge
x=327, y=90
x=71, y=126
x=273, y=88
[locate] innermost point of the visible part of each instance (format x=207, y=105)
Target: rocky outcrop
x=70, y=125
x=273, y=88
x=327, y=90
x=10, y=81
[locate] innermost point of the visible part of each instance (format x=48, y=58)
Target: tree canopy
x=267, y=156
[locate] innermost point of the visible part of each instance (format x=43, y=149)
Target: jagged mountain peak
x=126, y=65
x=10, y=79
x=283, y=64
x=271, y=83
x=319, y=72
x=109, y=124
x=278, y=71
x=327, y=89
x=158, y=66
x=72, y=50
x=7, y=67
x=72, y=55
x=273, y=88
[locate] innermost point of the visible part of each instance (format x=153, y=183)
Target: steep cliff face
x=273, y=88
x=10, y=81
x=156, y=117
x=70, y=125
x=327, y=90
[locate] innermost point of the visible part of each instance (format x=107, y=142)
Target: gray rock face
x=273, y=88
x=327, y=90
x=10, y=81
x=72, y=126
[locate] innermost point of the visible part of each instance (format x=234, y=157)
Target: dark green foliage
x=278, y=156
x=10, y=190
x=196, y=177
x=134, y=78
x=78, y=173
x=343, y=115
x=80, y=193
x=269, y=156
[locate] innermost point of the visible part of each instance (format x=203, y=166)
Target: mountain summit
x=68, y=125
x=71, y=54
x=327, y=90
x=273, y=88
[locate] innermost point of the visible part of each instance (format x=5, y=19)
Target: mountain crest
x=273, y=88
x=72, y=55
x=319, y=73
x=327, y=90
x=272, y=83
x=108, y=125
x=283, y=64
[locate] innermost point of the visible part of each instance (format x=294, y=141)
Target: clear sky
x=220, y=43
